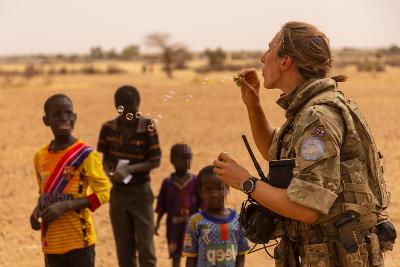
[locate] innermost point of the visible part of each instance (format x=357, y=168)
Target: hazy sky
x=52, y=26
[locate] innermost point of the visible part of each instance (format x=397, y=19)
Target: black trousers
x=83, y=257
x=132, y=219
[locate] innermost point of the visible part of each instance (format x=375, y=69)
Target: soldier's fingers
x=224, y=156
x=217, y=170
x=246, y=85
x=219, y=164
x=245, y=72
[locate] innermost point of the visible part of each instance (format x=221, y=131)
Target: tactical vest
x=362, y=187
x=362, y=191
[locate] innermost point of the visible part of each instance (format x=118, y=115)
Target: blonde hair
x=309, y=49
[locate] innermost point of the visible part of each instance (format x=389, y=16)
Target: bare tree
x=170, y=52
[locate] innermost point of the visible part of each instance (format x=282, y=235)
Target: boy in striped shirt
x=213, y=236
x=132, y=139
x=65, y=170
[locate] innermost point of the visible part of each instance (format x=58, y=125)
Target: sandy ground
x=212, y=121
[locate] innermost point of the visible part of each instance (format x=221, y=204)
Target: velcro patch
x=319, y=132
x=312, y=148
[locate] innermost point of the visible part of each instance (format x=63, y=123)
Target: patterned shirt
x=179, y=201
x=142, y=146
x=214, y=241
x=73, y=229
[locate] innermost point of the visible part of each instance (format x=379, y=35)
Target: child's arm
x=152, y=156
x=56, y=209
x=191, y=261
x=240, y=260
x=145, y=166
x=159, y=217
x=34, y=219
x=161, y=206
x=99, y=184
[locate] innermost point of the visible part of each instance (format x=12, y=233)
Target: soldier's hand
x=230, y=171
x=250, y=87
x=55, y=210
x=34, y=219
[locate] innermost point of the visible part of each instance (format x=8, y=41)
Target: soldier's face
x=271, y=70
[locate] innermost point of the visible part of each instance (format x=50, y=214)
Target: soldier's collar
x=302, y=93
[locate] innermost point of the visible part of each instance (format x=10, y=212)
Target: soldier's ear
x=286, y=62
x=45, y=120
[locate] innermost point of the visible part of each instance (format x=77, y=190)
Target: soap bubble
x=151, y=127
x=138, y=114
x=129, y=116
x=171, y=92
x=189, y=98
x=154, y=121
x=167, y=98
x=120, y=110
x=159, y=116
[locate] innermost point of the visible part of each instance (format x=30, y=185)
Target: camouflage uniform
x=337, y=171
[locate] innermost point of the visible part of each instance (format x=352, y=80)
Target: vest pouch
x=258, y=223
x=355, y=184
x=387, y=235
x=316, y=255
x=358, y=259
x=281, y=172
x=375, y=254
x=284, y=254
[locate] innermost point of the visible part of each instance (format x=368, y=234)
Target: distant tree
x=130, y=52
x=216, y=58
x=30, y=71
x=73, y=58
x=96, y=52
x=161, y=41
x=170, y=52
x=394, y=49
x=181, y=56
x=111, y=54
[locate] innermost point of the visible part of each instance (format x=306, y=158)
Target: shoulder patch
x=312, y=148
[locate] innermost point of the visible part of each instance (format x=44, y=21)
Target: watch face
x=247, y=186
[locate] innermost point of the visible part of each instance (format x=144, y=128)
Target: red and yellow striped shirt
x=73, y=229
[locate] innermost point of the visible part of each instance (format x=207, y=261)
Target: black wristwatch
x=249, y=185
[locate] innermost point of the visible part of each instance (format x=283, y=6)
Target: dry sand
x=211, y=122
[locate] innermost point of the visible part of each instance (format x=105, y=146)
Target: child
x=132, y=139
x=65, y=169
x=213, y=236
x=178, y=198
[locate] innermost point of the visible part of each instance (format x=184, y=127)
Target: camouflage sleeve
x=317, y=138
x=272, y=148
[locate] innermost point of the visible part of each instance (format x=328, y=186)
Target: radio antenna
x=253, y=158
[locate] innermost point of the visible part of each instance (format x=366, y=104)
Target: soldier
x=332, y=210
